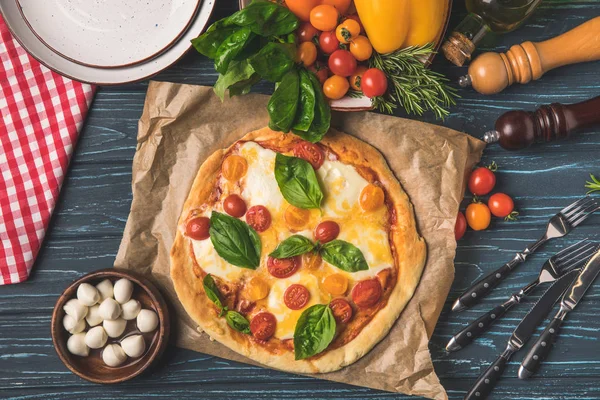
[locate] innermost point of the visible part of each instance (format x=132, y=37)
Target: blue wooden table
x=87, y=225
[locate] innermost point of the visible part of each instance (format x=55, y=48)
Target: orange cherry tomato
x=341, y=5
x=335, y=284
x=301, y=8
x=326, y=231
x=336, y=87
x=263, y=325
x=347, y=31
x=312, y=260
x=357, y=19
x=371, y=197
x=197, y=228
x=234, y=205
x=234, y=167
x=324, y=17
x=307, y=32
x=307, y=53
x=460, y=227
x=296, y=296
x=367, y=293
x=296, y=218
x=342, y=310
x=501, y=205
x=356, y=78
x=361, y=48
x=478, y=216
x=256, y=289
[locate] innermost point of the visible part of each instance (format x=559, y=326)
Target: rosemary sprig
x=412, y=85
x=355, y=94
x=594, y=185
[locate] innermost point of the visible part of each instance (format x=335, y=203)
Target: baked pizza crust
x=404, y=237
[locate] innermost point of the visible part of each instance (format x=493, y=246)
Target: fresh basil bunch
x=258, y=42
x=234, y=319
x=314, y=331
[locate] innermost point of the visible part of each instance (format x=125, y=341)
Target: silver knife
x=541, y=348
x=486, y=381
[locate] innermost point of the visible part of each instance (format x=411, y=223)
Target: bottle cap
x=458, y=48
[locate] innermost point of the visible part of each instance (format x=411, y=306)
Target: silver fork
x=555, y=267
x=558, y=226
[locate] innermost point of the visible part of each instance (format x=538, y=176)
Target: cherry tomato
x=263, y=325
x=307, y=53
x=374, y=83
x=312, y=260
x=342, y=63
x=322, y=74
x=310, y=152
x=341, y=5
x=342, y=310
x=335, y=284
x=336, y=87
x=357, y=19
x=482, y=181
x=283, y=267
x=197, y=228
x=371, y=198
x=301, y=8
x=328, y=42
x=501, y=205
x=296, y=297
x=366, y=293
x=259, y=218
x=234, y=167
x=356, y=77
x=460, y=227
x=256, y=289
x=384, y=277
x=296, y=218
x=347, y=31
x=324, y=17
x=361, y=48
x=234, y=205
x=307, y=32
x=478, y=216
x=326, y=231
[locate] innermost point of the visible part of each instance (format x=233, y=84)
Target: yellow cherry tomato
x=335, y=284
x=478, y=216
x=336, y=87
x=301, y=8
x=234, y=167
x=296, y=218
x=371, y=197
x=307, y=53
x=256, y=289
x=356, y=77
x=312, y=260
x=347, y=31
x=324, y=17
x=361, y=48
x=341, y=5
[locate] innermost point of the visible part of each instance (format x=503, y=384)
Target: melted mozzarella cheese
x=212, y=263
x=260, y=186
x=343, y=185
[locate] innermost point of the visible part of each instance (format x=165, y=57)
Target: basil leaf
x=230, y=48
x=344, y=255
x=322, y=120
x=243, y=87
x=314, y=331
x=284, y=102
x=208, y=43
x=306, y=108
x=265, y=18
x=237, y=321
x=235, y=241
x=298, y=182
x=212, y=291
x=293, y=246
x=238, y=71
x=273, y=61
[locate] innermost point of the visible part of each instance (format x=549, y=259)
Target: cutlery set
x=570, y=273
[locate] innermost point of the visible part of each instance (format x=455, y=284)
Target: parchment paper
x=182, y=125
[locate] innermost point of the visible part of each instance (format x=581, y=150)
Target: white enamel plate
x=108, y=33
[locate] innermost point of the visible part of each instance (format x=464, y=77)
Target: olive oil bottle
x=498, y=16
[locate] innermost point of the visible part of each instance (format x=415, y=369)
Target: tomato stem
x=512, y=216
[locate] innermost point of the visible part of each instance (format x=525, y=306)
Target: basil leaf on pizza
x=212, y=291
x=298, y=182
x=314, y=331
x=238, y=322
x=235, y=241
x=344, y=256
x=295, y=245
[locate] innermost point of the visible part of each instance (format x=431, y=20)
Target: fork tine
x=574, y=204
x=567, y=251
x=580, y=207
x=570, y=264
x=584, y=216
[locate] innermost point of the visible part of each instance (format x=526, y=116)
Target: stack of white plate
x=106, y=42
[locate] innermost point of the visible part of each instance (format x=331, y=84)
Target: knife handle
x=540, y=349
x=487, y=381
x=483, y=287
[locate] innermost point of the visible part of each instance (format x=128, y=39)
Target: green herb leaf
x=322, y=118
x=238, y=71
x=284, y=102
x=243, y=87
x=273, y=61
x=344, y=256
x=314, y=331
x=231, y=47
x=306, y=108
x=298, y=182
x=212, y=291
x=293, y=246
x=265, y=18
x=208, y=43
x=594, y=185
x=237, y=321
x=235, y=241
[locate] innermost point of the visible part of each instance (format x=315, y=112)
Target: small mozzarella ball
x=123, y=290
x=96, y=337
x=87, y=294
x=113, y=355
x=72, y=326
x=93, y=316
x=105, y=288
x=134, y=346
x=75, y=309
x=131, y=309
x=76, y=345
x=147, y=321
x=109, y=309
x=114, y=328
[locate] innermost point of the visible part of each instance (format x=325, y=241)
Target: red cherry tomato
x=366, y=293
x=283, y=267
x=321, y=73
x=296, y=297
x=342, y=310
x=501, y=205
x=259, y=218
x=326, y=231
x=460, y=226
x=234, y=205
x=342, y=63
x=307, y=32
x=310, y=152
x=263, y=325
x=482, y=181
x=478, y=216
x=197, y=228
x=374, y=83
x=328, y=42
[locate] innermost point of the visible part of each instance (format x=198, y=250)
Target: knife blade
x=573, y=295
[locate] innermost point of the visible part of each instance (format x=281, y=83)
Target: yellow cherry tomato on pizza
x=263, y=325
x=302, y=8
x=341, y=5
x=324, y=17
x=307, y=53
x=326, y=231
x=296, y=218
x=336, y=87
x=296, y=297
x=478, y=216
x=361, y=48
x=312, y=260
x=342, y=310
x=234, y=205
x=367, y=293
x=356, y=77
x=371, y=197
x=197, y=228
x=335, y=284
x=234, y=167
x=256, y=289
x=347, y=31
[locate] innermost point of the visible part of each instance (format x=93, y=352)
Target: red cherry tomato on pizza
x=307, y=32
x=478, y=216
x=310, y=152
x=234, y=205
x=482, y=181
x=197, y=228
x=501, y=205
x=283, y=267
x=342, y=310
x=263, y=325
x=259, y=218
x=374, y=83
x=296, y=297
x=302, y=8
x=328, y=42
x=460, y=227
x=367, y=293
x=326, y=231
x=342, y=63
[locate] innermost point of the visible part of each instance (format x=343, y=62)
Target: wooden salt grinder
x=492, y=72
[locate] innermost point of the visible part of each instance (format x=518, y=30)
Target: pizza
x=300, y=256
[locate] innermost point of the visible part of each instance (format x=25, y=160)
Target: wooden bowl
x=92, y=368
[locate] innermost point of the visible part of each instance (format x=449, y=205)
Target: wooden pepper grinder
x=516, y=130
x=492, y=72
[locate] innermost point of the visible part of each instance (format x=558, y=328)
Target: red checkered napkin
x=42, y=113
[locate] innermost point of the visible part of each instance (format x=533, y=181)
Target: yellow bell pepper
x=386, y=22
x=426, y=19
